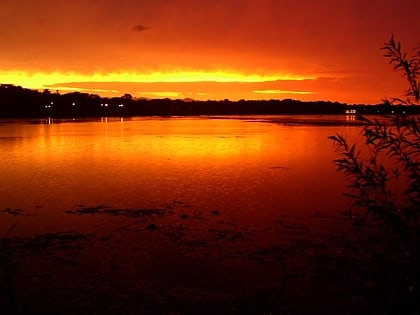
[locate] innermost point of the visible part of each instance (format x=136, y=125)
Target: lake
x=184, y=215
x=252, y=168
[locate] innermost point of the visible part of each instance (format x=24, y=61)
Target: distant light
x=74, y=104
x=121, y=105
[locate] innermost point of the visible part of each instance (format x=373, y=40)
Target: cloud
x=140, y=28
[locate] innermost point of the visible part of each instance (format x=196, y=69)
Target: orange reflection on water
x=244, y=168
x=171, y=138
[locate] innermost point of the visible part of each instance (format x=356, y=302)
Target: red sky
x=236, y=49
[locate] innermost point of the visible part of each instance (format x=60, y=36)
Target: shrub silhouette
x=409, y=65
x=384, y=176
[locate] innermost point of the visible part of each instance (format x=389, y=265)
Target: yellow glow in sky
x=43, y=80
x=162, y=94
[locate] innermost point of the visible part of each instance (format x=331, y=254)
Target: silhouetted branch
x=410, y=65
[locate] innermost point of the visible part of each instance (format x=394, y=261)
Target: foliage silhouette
x=410, y=65
x=384, y=179
x=384, y=185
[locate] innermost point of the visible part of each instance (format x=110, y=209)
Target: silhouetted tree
x=384, y=184
x=384, y=179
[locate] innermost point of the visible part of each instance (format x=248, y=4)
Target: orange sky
x=202, y=49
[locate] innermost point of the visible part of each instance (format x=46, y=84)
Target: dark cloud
x=140, y=28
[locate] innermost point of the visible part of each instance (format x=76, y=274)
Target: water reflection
x=350, y=118
x=246, y=168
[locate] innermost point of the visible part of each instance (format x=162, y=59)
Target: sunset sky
x=208, y=49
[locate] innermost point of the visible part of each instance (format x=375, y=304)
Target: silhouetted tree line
x=19, y=102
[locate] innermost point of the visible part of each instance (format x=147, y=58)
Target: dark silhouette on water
x=19, y=102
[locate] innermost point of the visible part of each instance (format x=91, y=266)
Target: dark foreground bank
x=178, y=260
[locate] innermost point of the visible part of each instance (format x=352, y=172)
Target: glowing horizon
x=74, y=82
x=208, y=50
x=43, y=79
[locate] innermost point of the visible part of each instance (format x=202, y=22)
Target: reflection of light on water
x=350, y=117
x=250, y=170
x=206, y=147
x=106, y=120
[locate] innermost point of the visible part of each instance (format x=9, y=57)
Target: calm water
x=252, y=169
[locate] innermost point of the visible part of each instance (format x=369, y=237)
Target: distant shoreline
x=18, y=102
